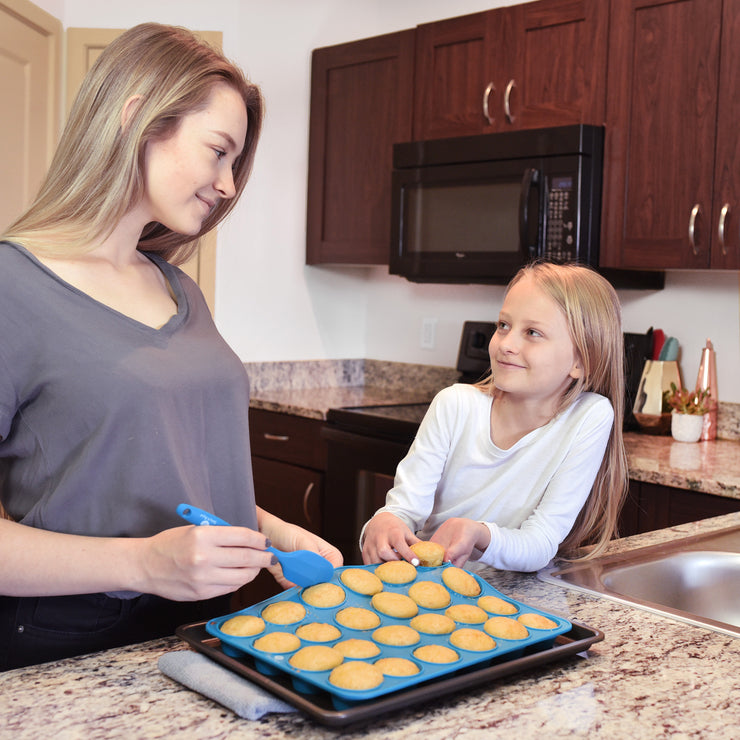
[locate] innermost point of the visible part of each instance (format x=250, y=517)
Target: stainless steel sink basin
x=694, y=579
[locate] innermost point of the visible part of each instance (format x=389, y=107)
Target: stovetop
x=398, y=422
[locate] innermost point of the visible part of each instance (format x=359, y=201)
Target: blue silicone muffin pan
x=308, y=682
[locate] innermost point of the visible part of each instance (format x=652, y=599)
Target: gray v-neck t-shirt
x=107, y=424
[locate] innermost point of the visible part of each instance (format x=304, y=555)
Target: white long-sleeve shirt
x=528, y=495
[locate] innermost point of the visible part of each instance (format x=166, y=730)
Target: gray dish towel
x=203, y=675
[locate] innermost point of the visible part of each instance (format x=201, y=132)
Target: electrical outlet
x=428, y=333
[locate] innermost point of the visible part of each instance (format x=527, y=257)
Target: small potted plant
x=687, y=412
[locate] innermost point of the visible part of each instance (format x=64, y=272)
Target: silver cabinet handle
x=721, y=227
x=306, y=496
x=507, y=101
x=486, y=97
x=695, y=211
x=276, y=437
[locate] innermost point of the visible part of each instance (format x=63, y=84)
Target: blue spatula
x=302, y=567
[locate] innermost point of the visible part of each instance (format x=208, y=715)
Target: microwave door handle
x=531, y=179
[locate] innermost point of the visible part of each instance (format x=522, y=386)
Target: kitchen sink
x=693, y=579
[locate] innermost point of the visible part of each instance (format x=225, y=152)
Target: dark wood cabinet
x=650, y=506
x=671, y=150
x=525, y=66
x=361, y=96
x=288, y=463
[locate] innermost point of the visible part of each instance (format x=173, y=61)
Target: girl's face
x=188, y=173
x=532, y=354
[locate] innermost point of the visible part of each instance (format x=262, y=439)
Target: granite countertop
x=310, y=389
x=651, y=676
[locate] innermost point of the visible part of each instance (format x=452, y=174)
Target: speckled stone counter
x=312, y=388
x=650, y=677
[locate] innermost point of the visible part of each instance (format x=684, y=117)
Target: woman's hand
x=460, y=537
x=193, y=563
x=289, y=537
x=387, y=538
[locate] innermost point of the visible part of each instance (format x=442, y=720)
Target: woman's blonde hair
x=594, y=317
x=97, y=172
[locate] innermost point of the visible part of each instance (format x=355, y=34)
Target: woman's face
x=188, y=173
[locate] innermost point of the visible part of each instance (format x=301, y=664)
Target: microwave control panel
x=560, y=218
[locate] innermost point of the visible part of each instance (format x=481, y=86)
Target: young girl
x=529, y=462
x=118, y=397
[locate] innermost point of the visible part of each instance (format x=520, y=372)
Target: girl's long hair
x=97, y=172
x=594, y=316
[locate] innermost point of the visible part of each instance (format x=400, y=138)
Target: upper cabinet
x=672, y=154
x=360, y=95
x=524, y=66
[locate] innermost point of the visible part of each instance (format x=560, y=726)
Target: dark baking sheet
x=320, y=707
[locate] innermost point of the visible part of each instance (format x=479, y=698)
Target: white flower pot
x=686, y=427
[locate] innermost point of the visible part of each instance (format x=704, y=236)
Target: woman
x=118, y=397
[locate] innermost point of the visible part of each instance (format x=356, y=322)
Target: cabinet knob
x=721, y=228
x=306, y=497
x=695, y=211
x=276, y=437
x=507, y=101
x=486, y=97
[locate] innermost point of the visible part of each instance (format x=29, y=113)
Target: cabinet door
x=555, y=55
x=289, y=492
x=660, y=133
x=360, y=106
x=454, y=87
x=726, y=216
x=525, y=66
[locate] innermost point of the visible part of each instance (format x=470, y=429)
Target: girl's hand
x=460, y=537
x=387, y=538
x=192, y=563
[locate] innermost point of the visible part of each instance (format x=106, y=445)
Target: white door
x=30, y=42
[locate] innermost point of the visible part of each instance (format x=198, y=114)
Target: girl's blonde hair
x=97, y=172
x=594, y=316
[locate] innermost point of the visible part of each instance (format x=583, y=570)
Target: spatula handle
x=194, y=515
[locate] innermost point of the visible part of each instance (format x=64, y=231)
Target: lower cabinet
x=650, y=506
x=288, y=463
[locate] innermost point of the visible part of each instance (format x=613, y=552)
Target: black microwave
x=474, y=209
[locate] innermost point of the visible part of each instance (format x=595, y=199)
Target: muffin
x=398, y=635
x=395, y=605
x=356, y=675
x=323, y=595
x=284, y=612
x=318, y=632
x=538, y=621
x=495, y=605
x=361, y=581
x=357, y=618
x=243, y=625
x=467, y=638
x=467, y=614
x=316, y=658
x=430, y=554
x=436, y=654
x=396, y=572
x=432, y=624
x=398, y=667
x=429, y=594
x=277, y=642
x=506, y=628
x=355, y=648
x=460, y=581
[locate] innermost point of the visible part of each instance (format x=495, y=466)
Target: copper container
x=707, y=380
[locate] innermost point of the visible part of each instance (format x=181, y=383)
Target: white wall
x=269, y=305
